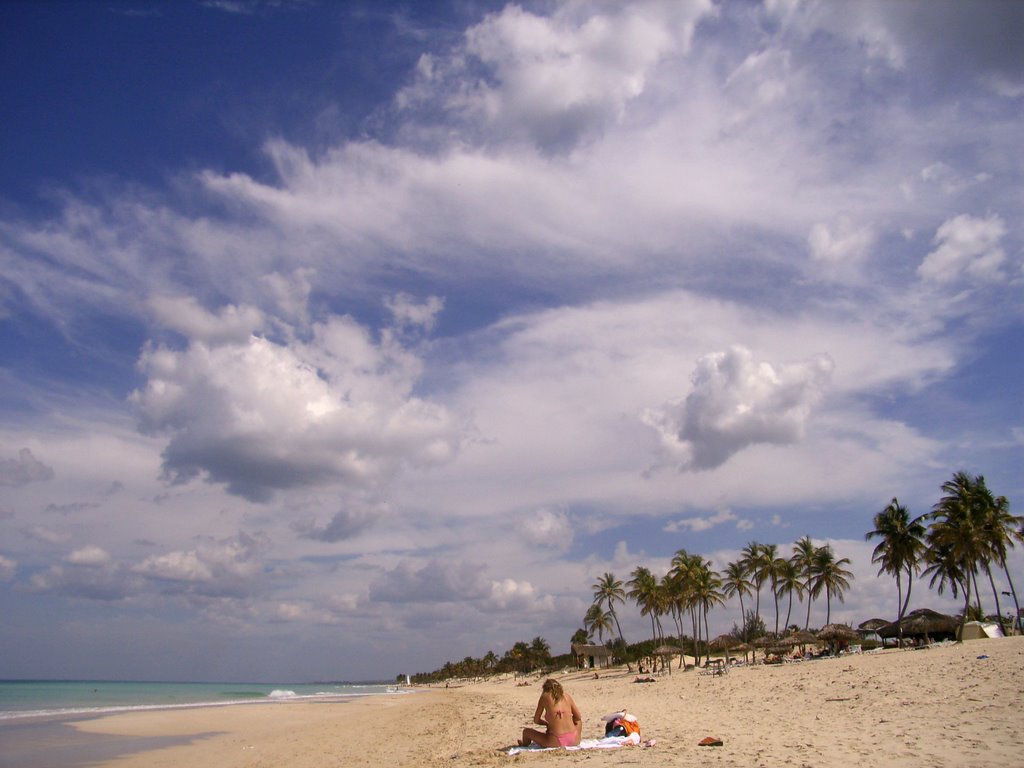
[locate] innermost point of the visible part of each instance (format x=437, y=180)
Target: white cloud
x=553, y=81
x=261, y=416
x=842, y=244
x=545, y=528
x=968, y=246
x=949, y=181
x=737, y=402
x=184, y=315
x=698, y=524
x=90, y=556
x=230, y=567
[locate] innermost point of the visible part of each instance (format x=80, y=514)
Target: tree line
x=966, y=535
x=962, y=540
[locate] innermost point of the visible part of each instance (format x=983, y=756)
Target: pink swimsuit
x=567, y=739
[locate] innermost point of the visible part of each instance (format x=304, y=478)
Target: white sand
x=942, y=706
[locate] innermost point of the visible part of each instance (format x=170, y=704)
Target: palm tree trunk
x=810, y=599
x=995, y=596
x=910, y=585
x=789, y=611
x=1013, y=592
x=743, y=619
x=899, y=606
x=828, y=606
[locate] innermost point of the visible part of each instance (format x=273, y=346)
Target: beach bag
x=621, y=724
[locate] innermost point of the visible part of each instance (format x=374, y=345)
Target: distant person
x=558, y=713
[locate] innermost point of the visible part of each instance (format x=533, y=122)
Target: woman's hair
x=554, y=688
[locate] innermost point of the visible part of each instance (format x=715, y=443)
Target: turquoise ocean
x=20, y=699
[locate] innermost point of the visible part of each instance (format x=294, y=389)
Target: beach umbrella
x=664, y=651
x=922, y=622
x=837, y=634
x=803, y=637
x=873, y=625
x=743, y=648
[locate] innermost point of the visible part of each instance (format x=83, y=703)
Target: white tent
x=978, y=630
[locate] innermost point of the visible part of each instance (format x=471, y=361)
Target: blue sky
x=340, y=340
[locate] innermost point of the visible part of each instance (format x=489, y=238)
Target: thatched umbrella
x=763, y=642
x=872, y=625
x=665, y=651
x=743, y=648
x=803, y=638
x=837, y=634
x=922, y=622
x=723, y=643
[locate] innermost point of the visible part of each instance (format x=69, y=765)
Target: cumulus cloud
x=737, y=402
x=435, y=582
x=546, y=528
x=968, y=246
x=517, y=596
x=185, y=315
x=23, y=470
x=90, y=556
x=260, y=416
x=553, y=81
x=231, y=567
x=949, y=181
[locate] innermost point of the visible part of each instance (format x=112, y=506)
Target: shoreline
x=951, y=705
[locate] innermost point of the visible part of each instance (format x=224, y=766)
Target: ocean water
x=21, y=699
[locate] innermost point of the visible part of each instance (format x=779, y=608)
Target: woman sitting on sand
x=558, y=713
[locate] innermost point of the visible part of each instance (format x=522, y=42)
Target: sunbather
x=558, y=713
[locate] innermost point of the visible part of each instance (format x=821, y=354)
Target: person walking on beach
x=559, y=715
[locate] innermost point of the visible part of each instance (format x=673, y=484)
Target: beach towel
x=609, y=742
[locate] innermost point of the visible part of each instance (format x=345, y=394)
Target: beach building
x=592, y=656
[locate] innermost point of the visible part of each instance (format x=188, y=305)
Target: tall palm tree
x=788, y=581
x=957, y=531
x=644, y=592
x=608, y=591
x=735, y=582
x=803, y=559
x=707, y=591
x=830, y=577
x=684, y=574
x=998, y=528
x=753, y=561
x=899, y=551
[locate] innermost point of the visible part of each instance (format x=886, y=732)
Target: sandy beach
x=949, y=705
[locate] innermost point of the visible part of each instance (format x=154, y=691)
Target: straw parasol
x=803, y=637
x=837, y=634
x=872, y=625
x=922, y=622
x=664, y=651
x=743, y=648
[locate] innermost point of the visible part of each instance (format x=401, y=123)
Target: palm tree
x=597, y=620
x=608, y=591
x=830, y=577
x=753, y=562
x=644, y=592
x=998, y=532
x=735, y=582
x=540, y=652
x=684, y=575
x=803, y=559
x=707, y=588
x=788, y=581
x=957, y=531
x=899, y=550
